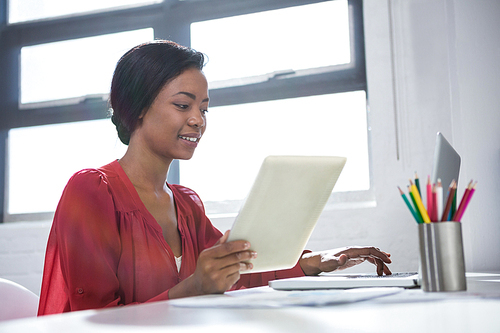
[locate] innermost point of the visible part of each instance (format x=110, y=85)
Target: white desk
x=477, y=310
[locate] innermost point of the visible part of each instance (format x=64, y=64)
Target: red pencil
x=451, y=194
x=430, y=208
x=464, y=202
x=434, y=217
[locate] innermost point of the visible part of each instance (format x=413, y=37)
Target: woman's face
x=174, y=124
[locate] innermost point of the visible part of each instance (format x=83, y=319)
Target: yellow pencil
x=420, y=205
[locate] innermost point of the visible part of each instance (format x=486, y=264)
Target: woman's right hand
x=217, y=269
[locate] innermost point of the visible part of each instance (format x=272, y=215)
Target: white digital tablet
x=283, y=206
x=446, y=163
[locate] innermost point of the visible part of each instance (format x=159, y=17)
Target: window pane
x=43, y=158
x=239, y=137
x=295, y=38
x=29, y=10
x=76, y=67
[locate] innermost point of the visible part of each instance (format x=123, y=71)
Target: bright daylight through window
x=62, y=149
x=54, y=64
x=239, y=137
x=30, y=10
x=243, y=51
x=275, y=41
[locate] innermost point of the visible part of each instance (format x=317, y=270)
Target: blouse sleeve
x=85, y=237
x=262, y=279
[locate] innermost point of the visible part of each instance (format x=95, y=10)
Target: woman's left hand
x=327, y=261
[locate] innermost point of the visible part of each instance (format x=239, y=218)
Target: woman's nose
x=197, y=121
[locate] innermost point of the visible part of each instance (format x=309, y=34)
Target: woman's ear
x=143, y=113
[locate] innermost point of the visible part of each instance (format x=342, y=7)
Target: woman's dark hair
x=140, y=75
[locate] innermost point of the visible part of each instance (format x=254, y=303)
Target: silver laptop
x=446, y=166
x=446, y=162
x=346, y=281
x=283, y=206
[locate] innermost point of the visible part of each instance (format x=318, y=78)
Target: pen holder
x=442, y=256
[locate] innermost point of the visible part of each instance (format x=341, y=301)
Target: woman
x=123, y=235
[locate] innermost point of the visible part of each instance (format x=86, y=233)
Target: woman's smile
x=191, y=140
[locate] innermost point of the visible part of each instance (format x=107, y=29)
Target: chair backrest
x=16, y=301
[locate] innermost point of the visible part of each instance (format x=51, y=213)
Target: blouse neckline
x=141, y=207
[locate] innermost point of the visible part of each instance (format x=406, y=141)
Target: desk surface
x=409, y=310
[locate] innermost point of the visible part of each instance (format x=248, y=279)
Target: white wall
x=475, y=89
x=432, y=66
x=22, y=251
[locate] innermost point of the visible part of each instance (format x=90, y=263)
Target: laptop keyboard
x=394, y=275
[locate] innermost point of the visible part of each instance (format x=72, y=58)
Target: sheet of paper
x=266, y=297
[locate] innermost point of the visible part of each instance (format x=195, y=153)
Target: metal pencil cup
x=442, y=256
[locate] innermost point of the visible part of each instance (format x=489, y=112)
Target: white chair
x=16, y=301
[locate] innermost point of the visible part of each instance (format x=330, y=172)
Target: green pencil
x=453, y=209
x=420, y=218
x=409, y=206
x=417, y=183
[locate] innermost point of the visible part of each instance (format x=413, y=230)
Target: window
x=37, y=175
x=74, y=68
x=31, y=10
x=276, y=42
x=60, y=73
x=56, y=63
x=240, y=135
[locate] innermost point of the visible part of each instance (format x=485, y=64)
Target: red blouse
x=105, y=248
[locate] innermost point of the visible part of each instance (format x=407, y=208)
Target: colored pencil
x=434, y=214
x=463, y=203
x=467, y=202
x=417, y=183
x=420, y=219
x=439, y=199
x=429, y=196
x=453, y=209
x=451, y=194
x=420, y=205
x=409, y=206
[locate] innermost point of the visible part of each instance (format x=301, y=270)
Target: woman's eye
x=204, y=112
x=182, y=106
